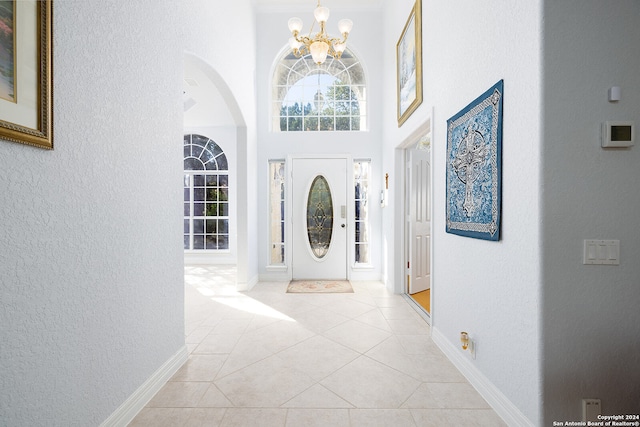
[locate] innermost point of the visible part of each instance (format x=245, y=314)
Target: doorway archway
x=202, y=83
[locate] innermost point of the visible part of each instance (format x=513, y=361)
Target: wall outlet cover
x=591, y=408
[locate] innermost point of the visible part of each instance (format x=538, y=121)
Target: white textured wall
x=91, y=276
x=591, y=317
x=490, y=289
x=395, y=16
x=364, y=40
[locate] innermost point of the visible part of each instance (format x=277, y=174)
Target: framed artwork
x=474, y=167
x=26, y=72
x=409, y=63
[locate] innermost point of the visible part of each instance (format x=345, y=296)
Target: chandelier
x=320, y=45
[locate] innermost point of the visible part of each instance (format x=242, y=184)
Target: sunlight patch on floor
x=250, y=305
x=218, y=285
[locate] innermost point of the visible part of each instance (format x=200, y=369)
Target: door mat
x=319, y=286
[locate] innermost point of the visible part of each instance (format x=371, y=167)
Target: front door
x=319, y=232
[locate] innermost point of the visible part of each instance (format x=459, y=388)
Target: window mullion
x=191, y=210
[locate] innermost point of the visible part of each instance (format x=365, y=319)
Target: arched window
x=206, y=195
x=311, y=97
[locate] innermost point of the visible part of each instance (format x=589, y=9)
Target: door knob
x=343, y=225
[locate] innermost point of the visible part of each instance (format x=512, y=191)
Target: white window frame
x=289, y=71
x=367, y=221
x=191, y=217
x=281, y=218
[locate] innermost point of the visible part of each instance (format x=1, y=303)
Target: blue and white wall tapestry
x=474, y=167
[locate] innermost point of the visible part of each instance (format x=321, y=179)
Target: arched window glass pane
x=201, y=153
x=311, y=97
x=191, y=163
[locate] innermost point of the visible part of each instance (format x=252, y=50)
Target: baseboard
x=365, y=274
x=274, y=275
x=418, y=308
x=134, y=404
x=511, y=415
x=243, y=287
x=210, y=258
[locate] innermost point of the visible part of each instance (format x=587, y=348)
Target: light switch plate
x=601, y=252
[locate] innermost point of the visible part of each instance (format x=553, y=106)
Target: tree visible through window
x=206, y=195
x=311, y=97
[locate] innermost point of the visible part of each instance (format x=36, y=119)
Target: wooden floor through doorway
x=424, y=299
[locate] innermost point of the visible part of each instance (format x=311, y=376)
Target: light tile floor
x=268, y=358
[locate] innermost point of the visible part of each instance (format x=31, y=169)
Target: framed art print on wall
x=409, y=65
x=26, y=72
x=474, y=167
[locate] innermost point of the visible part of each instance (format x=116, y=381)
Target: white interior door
x=319, y=215
x=419, y=220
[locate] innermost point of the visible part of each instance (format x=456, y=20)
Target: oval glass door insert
x=319, y=216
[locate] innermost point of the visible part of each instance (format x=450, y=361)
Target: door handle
x=343, y=225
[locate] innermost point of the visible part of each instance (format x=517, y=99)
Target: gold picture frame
x=409, y=65
x=26, y=115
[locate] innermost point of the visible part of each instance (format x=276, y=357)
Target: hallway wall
x=91, y=272
x=490, y=289
x=592, y=322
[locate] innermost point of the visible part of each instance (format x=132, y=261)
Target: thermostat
x=617, y=134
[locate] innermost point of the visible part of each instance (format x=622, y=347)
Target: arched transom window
x=311, y=97
x=206, y=195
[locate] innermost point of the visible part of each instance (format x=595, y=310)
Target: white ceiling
x=204, y=105
x=314, y=2
x=282, y=4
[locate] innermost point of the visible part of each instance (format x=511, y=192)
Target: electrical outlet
x=591, y=409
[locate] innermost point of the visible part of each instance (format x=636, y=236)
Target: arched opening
x=211, y=109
